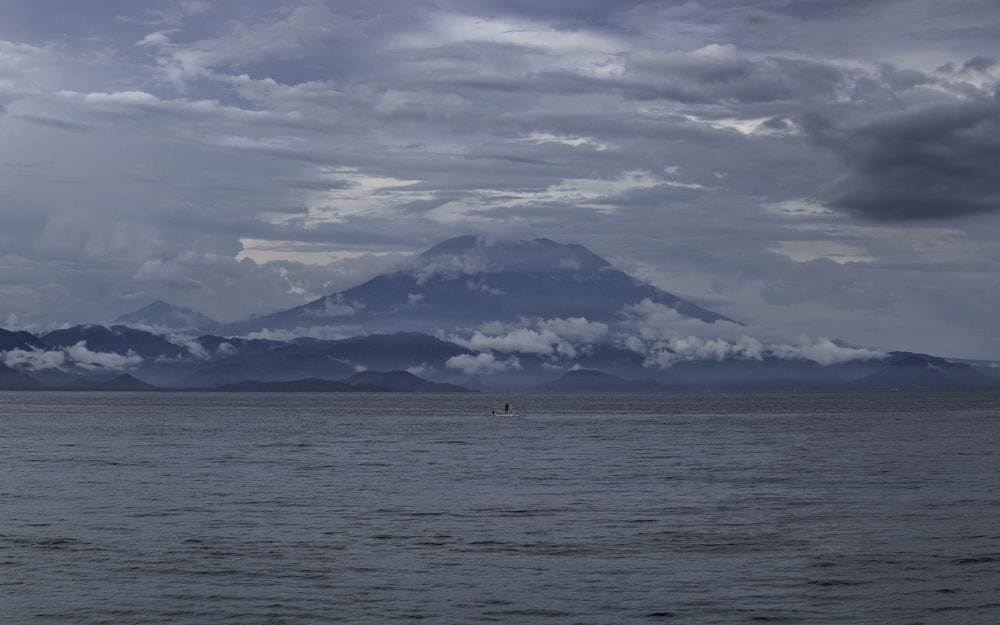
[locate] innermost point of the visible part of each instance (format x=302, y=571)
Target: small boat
x=507, y=412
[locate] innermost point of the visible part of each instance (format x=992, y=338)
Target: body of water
x=203, y=509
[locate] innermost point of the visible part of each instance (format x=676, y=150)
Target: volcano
x=467, y=281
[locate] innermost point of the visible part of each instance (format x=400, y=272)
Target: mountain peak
x=456, y=245
x=160, y=315
x=475, y=255
x=467, y=281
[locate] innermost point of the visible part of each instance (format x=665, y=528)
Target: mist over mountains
x=163, y=317
x=466, y=282
x=468, y=314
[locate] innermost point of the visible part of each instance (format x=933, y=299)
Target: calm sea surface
x=200, y=509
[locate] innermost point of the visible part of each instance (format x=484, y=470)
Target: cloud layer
x=825, y=168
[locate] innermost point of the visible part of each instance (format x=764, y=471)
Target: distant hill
x=920, y=372
x=309, y=385
x=402, y=381
x=466, y=281
x=589, y=381
x=365, y=382
x=13, y=380
x=125, y=382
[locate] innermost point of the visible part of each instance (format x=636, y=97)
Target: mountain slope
x=465, y=281
x=118, y=339
x=19, y=340
x=165, y=317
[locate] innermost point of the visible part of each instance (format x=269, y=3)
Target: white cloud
x=324, y=332
x=123, y=98
x=653, y=321
x=482, y=364
x=524, y=340
x=33, y=360
x=664, y=337
x=78, y=355
x=335, y=306
x=824, y=351
x=666, y=351
x=158, y=38
x=574, y=328
x=192, y=345
x=482, y=286
x=553, y=337
x=84, y=357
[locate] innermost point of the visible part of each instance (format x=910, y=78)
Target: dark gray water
x=200, y=509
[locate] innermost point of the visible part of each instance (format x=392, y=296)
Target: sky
x=810, y=168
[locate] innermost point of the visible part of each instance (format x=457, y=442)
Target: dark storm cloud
x=777, y=123
x=685, y=78
x=899, y=80
x=931, y=162
x=722, y=75
x=979, y=64
x=976, y=65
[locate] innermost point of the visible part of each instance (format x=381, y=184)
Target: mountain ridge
x=471, y=312
x=386, y=362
